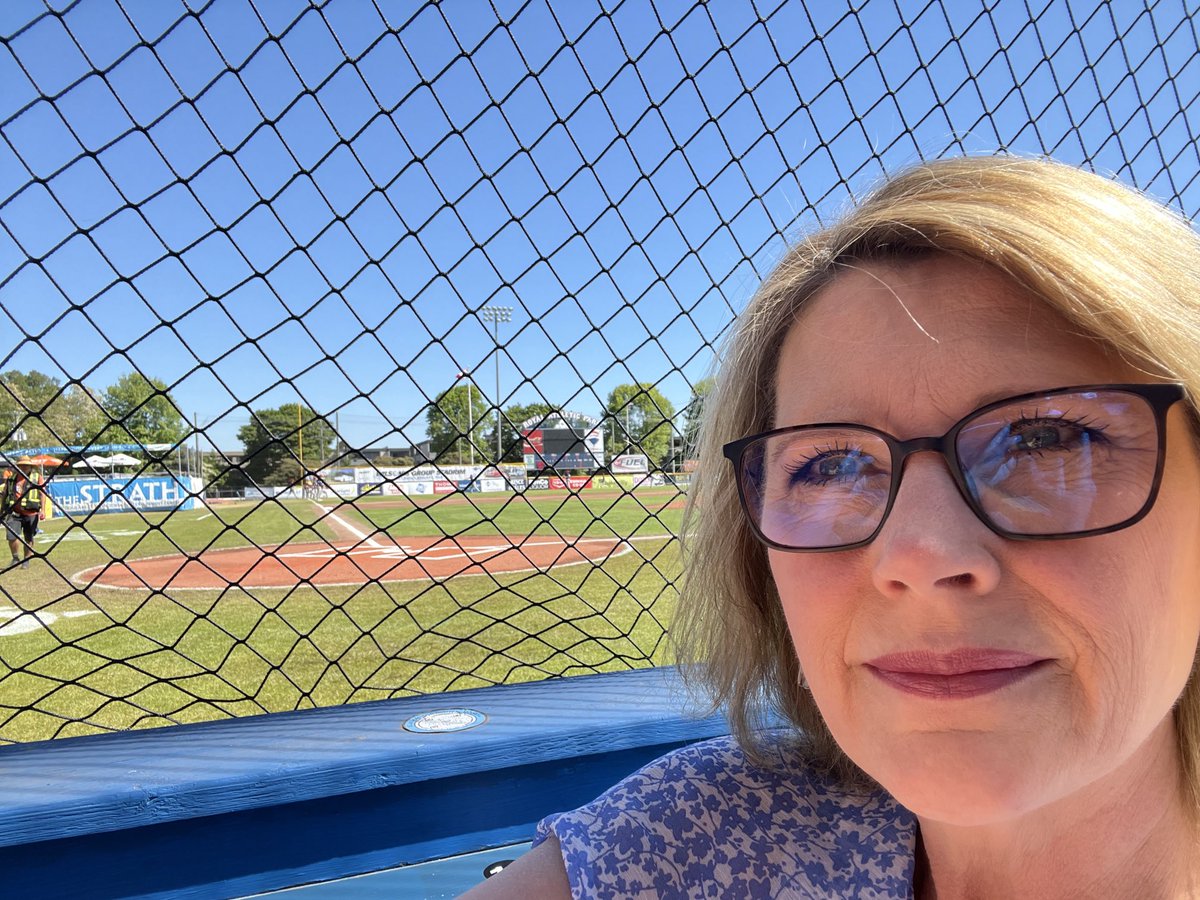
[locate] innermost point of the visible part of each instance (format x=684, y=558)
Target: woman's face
x=910, y=348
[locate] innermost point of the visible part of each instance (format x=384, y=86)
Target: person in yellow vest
x=21, y=509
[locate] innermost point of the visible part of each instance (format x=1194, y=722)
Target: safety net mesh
x=358, y=347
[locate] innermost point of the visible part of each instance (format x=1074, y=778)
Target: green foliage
x=76, y=416
x=30, y=392
x=278, y=451
x=36, y=410
x=142, y=411
x=394, y=461
x=643, y=421
x=221, y=475
x=456, y=413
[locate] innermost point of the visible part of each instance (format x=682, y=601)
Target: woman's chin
x=962, y=783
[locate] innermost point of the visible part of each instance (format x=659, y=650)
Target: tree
x=76, y=416
x=276, y=444
x=695, y=415
x=457, y=412
x=221, y=475
x=510, y=428
x=142, y=411
x=642, y=416
x=394, y=461
x=36, y=410
x=24, y=399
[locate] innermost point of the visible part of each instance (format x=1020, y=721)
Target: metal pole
x=470, y=417
x=496, y=315
x=496, y=338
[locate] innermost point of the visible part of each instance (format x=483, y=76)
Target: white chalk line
x=20, y=621
x=363, y=537
x=79, y=534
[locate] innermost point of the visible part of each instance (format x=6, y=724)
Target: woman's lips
x=957, y=675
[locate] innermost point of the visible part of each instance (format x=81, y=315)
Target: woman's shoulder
x=706, y=814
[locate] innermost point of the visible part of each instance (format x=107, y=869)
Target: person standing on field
x=21, y=510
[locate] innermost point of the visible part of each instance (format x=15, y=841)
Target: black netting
x=342, y=275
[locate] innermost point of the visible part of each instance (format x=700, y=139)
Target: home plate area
x=352, y=562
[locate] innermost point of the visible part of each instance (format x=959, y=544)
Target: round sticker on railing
x=442, y=721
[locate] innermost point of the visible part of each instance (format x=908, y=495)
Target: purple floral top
x=702, y=821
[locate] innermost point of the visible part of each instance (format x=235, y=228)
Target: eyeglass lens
x=1055, y=464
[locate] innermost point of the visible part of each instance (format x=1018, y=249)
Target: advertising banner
x=146, y=493
x=413, y=487
x=532, y=448
x=416, y=474
x=630, y=464
x=266, y=492
x=655, y=480
x=595, y=445
x=443, y=487
x=554, y=483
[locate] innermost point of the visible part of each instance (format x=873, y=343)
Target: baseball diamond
x=376, y=558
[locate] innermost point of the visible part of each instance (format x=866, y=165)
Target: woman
x=961, y=429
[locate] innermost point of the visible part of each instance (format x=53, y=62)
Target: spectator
x=21, y=509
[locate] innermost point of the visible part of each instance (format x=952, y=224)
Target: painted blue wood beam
x=222, y=809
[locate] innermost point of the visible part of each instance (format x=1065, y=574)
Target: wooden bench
x=223, y=809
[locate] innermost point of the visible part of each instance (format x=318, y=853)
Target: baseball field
x=133, y=620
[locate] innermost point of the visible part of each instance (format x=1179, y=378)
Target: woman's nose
x=932, y=543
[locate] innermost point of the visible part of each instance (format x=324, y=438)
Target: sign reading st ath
x=145, y=493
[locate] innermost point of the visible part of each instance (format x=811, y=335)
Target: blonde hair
x=1121, y=267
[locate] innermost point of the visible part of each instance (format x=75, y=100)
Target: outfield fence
x=257, y=242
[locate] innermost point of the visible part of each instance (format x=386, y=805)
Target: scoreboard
x=563, y=448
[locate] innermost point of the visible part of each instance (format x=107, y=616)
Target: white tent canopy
x=106, y=462
x=94, y=462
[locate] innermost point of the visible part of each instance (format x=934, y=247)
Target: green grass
x=104, y=659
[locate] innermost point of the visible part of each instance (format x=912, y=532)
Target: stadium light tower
x=496, y=315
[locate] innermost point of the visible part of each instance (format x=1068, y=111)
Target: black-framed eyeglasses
x=1043, y=466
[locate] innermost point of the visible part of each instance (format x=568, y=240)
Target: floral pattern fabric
x=703, y=821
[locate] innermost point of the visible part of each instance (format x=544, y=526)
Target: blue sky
x=252, y=201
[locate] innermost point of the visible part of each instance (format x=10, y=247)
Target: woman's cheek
x=821, y=606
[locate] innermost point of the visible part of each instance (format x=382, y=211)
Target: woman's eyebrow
x=857, y=412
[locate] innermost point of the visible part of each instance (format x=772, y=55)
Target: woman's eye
x=836, y=466
x=823, y=467
x=1035, y=436
x=1040, y=437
